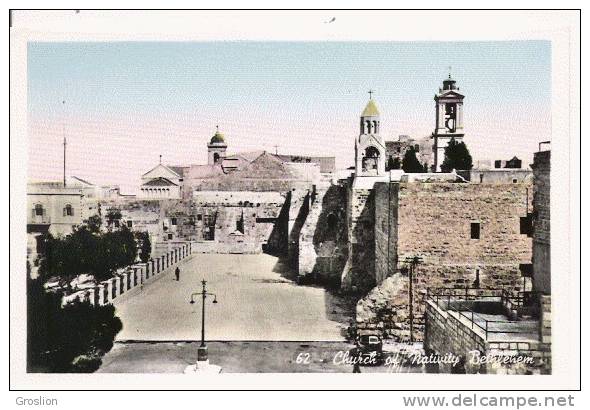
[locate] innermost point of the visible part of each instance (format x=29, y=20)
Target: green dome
x=217, y=138
x=370, y=110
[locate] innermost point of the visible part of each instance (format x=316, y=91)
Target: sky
x=128, y=102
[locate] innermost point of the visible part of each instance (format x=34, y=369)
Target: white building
x=162, y=182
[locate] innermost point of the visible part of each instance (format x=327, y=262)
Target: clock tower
x=449, y=119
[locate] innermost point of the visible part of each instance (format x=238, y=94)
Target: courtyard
x=256, y=302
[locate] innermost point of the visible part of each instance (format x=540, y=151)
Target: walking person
x=177, y=273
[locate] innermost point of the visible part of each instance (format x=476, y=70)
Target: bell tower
x=449, y=119
x=369, y=147
x=216, y=148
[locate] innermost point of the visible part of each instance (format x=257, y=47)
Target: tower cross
x=371, y=94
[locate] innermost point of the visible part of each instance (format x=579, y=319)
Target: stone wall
x=542, y=222
x=218, y=222
x=433, y=221
x=322, y=244
x=359, y=272
x=496, y=176
x=448, y=334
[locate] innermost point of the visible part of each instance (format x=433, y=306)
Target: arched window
x=375, y=127
x=368, y=127
x=371, y=159
x=38, y=210
x=68, y=210
x=215, y=158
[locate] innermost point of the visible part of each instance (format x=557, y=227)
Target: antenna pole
x=63, y=129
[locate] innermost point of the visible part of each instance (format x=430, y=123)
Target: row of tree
x=457, y=156
x=68, y=339
x=87, y=250
x=74, y=338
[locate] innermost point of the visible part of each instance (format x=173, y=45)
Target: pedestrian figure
x=177, y=273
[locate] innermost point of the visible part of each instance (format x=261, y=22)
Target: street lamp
x=202, y=352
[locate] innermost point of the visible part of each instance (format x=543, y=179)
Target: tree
x=113, y=216
x=457, y=156
x=67, y=339
x=94, y=223
x=410, y=163
x=83, y=251
x=114, y=250
x=144, y=245
x=393, y=163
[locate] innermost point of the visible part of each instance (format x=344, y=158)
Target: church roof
x=247, y=155
x=204, y=171
x=370, y=110
x=167, y=168
x=179, y=169
x=161, y=181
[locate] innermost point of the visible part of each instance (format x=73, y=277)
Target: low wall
x=106, y=292
x=447, y=334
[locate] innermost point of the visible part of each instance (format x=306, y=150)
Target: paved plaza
x=257, y=302
x=242, y=357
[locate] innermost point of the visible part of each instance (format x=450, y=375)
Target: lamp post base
x=202, y=367
x=202, y=354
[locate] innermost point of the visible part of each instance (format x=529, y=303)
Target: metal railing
x=460, y=301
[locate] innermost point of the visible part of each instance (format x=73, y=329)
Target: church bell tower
x=216, y=148
x=449, y=119
x=369, y=147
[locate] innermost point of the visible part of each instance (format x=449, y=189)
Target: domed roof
x=370, y=110
x=217, y=138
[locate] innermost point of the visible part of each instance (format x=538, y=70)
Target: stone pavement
x=240, y=357
x=256, y=302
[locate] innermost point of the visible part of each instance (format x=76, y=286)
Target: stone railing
x=133, y=276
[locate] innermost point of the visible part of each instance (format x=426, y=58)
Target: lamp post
x=202, y=352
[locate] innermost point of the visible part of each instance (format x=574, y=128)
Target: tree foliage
x=457, y=157
x=93, y=223
x=393, y=163
x=86, y=251
x=410, y=163
x=145, y=246
x=67, y=339
x=113, y=214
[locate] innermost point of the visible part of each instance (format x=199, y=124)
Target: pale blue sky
x=272, y=93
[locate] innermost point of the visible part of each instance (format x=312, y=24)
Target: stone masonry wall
x=433, y=220
x=323, y=247
x=542, y=222
x=448, y=334
x=359, y=272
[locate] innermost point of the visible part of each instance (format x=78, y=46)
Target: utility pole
x=412, y=262
x=63, y=129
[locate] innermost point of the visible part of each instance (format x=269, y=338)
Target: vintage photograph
x=289, y=206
